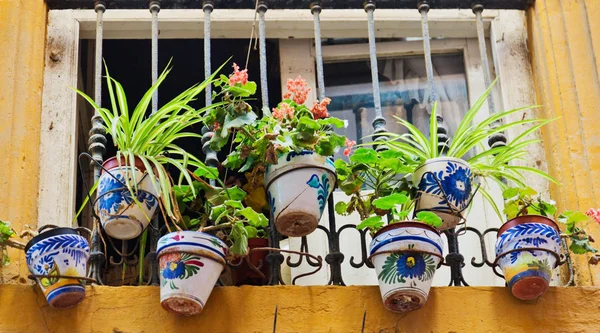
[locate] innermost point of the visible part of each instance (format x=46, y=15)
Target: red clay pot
x=244, y=275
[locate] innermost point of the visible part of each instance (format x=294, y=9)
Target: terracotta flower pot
x=59, y=252
x=406, y=256
x=528, y=272
x=120, y=216
x=243, y=274
x=297, y=189
x=190, y=264
x=456, y=180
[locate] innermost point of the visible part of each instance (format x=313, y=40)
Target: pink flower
x=594, y=213
x=238, y=76
x=297, y=90
x=349, y=145
x=319, y=110
x=216, y=126
x=282, y=110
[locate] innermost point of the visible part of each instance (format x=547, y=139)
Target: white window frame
x=60, y=120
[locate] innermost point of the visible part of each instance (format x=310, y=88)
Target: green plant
x=223, y=206
x=521, y=201
x=290, y=127
x=391, y=194
x=491, y=163
x=152, y=138
x=6, y=233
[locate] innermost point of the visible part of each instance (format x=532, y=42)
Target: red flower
x=282, y=110
x=238, y=76
x=594, y=213
x=216, y=126
x=297, y=90
x=319, y=110
x=349, y=145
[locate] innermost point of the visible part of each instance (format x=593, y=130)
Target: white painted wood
x=282, y=24
x=58, y=138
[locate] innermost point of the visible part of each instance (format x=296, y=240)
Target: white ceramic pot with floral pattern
x=59, y=252
x=528, y=272
x=406, y=256
x=120, y=215
x=298, y=187
x=453, y=196
x=190, y=264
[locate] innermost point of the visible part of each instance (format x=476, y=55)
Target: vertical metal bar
x=262, y=44
x=154, y=9
x=97, y=140
x=499, y=139
x=379, y=121
x=315, y=9
x=423, y=7
x=211, y=158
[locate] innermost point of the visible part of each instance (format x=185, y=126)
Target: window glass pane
x=404, y=93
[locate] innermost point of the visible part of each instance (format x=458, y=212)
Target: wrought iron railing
x=333, y=232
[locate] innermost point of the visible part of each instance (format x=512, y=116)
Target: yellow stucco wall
x=22, y=41
x=303, y=309
x=564, y=40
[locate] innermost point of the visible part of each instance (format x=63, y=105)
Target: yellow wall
x=304, y=309
x=564, y=40
x=22, y=41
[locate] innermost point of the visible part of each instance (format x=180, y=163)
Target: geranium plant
x=387, y=192
x=521, y=201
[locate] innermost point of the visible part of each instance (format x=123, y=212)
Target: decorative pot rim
x=50, y=233
x=396, y=225
x=527, y=219
x=212, y=253
x=439, y=159
x=112, y=163
x=408, y=224
x=282, y=168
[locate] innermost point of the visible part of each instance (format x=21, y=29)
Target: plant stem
x=217, y=227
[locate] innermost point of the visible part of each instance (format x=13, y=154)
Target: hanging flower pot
x=406, y=256
x=55, y=253
x=190, y=264
x=297, y=189
x=121, y=217
x=445, y=186
x=244, y=274
x=527, y=250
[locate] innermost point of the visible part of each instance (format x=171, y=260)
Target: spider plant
x=491, y=163
x=151, y=139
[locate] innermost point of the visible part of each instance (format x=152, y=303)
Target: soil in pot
x=528, y=272
x=190, y=264
x=119, y=214
x=298, y=187
x=59, y=252
x=455, y=177
x=244, y=274
x=406, y=256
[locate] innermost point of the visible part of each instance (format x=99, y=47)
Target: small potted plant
x=135, y=179
x=405, y=252
x=191, y=261
x=444, y=177
x=6, y=235
x=528, y=245
x=57, y=258
x=289, y=145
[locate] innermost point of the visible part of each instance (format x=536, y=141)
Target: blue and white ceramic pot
x=455, y=177
x=297, y=189
x=120, y=215
x=406, y=256
x=190, y=264
x=527, y=272
x=59, y=252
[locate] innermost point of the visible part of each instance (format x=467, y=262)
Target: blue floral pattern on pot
x=118, y=195
x=399, y=267
x=455, y=182
x=322, y=187
x=271, y=203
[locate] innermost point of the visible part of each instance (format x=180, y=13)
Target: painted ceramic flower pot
x=455, y=177
x=297, y=189
x=527, y=272
x=246, y=275
x=59, y=252
x=190, y=264
x=406, y=256
x=120, y=215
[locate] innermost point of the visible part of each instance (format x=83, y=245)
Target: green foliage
x=6, y=232
x=575, y=222
x=429, y=218
x=152, y=138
